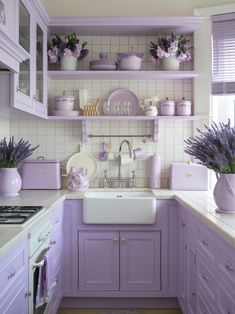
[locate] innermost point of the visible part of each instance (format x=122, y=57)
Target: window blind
x=223, y=54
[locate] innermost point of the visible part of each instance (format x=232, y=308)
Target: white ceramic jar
x=64, y=102
x=167, y=107
x=184, y=107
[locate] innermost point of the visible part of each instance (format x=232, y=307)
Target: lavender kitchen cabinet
x=98, y=260
x=14, y=280
x=104, y=257
x=29, y=85
x=8, y=18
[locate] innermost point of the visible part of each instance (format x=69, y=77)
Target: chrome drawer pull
x=52, y=242
x=28, y=294
x=115, y=239
x=11, y=273
x=204, y=276
x=229, y=267
x=204, y=242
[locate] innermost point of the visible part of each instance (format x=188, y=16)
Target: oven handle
x=41, y=263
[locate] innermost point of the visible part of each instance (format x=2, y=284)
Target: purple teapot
x=78, y=180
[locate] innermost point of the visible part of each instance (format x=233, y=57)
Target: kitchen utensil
x=65, y=113
x=122, y=97
x=167, y=107
x=64, y=102
x=184, y=107
x=103, y=63
x=83, y=159
x=130, y=61
x=103, y=155
x=83, y=97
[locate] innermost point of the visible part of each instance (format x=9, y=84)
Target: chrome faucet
x=119, y=179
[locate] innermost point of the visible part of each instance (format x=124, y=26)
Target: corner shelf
x=119, y=75
x=155, y=121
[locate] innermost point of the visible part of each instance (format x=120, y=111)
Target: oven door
x=39, y=280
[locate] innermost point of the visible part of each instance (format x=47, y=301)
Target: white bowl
x=65, y=113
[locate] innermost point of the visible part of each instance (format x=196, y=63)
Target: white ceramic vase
x=68, y=63
x=170, y=64
x=224, y=193
x=10, y=182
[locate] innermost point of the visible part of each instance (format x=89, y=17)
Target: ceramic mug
x=138, y=153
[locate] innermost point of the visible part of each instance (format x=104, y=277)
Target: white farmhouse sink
x=119, y=207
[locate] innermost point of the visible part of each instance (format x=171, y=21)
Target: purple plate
x=124, y=96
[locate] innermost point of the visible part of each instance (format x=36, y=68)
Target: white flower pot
x=10, y=182
x=170, y=64
x=68, y=63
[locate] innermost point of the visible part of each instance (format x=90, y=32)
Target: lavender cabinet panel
x=9, y=18
x=182, y=251
x=72, y=210
x=98, y=260
x=15, y=300
x=226, y=298
x=191, y=280
x=140, y=257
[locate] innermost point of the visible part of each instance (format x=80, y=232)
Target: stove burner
x=17, y=214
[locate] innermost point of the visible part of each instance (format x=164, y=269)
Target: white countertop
x=200, y=203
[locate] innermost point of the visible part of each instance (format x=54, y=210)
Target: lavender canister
x=155, y=171
x=184, y=107
x=167, y=107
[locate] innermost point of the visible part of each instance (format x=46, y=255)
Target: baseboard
x=144, y=303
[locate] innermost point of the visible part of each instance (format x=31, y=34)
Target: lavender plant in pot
x=170, y=51
x=68, y=50
x=12, y=154
x=215, y=149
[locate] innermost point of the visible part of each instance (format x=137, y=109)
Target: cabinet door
x=191, y=280
x=182, y=250
x=16, y=301
x=98, y=260
x=140, y=255
x=8, y=18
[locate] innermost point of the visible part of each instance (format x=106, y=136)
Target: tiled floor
x=99, y=311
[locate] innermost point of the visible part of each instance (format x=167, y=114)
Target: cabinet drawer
x=203, y=307
x=206, y=281
x=12, y=268
x=227, y=265
x=207, y=244
x=226, y=299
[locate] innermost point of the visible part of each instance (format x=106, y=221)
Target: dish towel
x=46, y=281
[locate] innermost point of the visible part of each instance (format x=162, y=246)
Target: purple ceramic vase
x=224, y=193
x=10, y=182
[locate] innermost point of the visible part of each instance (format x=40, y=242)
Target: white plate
x=85, y=160
x=65, y=113
x=122, y=96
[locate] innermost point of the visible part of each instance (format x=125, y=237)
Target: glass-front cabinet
x=30, y=92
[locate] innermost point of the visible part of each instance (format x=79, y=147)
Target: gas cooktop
x=17, y=214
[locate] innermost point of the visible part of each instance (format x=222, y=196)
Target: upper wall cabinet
x=30, y=92
x=11, y=53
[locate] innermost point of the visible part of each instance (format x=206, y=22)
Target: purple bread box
x=188, y=176
x=41, y=174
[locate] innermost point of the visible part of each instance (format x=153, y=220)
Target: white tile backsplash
x=61, y=139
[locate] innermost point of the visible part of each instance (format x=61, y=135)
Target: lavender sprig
x=12, y=154
x=214, y=148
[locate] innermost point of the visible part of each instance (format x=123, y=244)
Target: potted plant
x=215, y=149
x=68, y=50
x=12, y=154
x=171, y=51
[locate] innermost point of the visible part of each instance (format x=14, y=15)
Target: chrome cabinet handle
x=183, y=224
x=123, y=239
x=28, y=294
x=39, y=264
x=229, y=267
x=204, y=242
x=52, y=242
x=115, y=239
x=11, y=273
x=205, y=277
